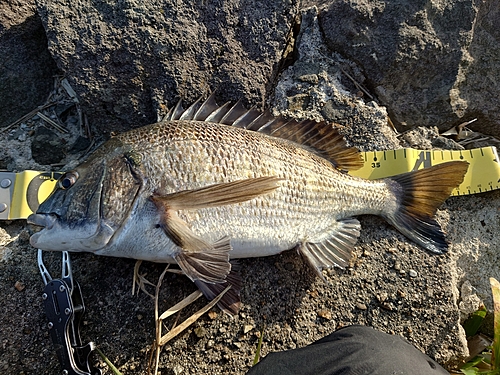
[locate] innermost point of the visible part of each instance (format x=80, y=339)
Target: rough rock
x=128, y=60
x=27, y=70
x=319, y=86
x=425, y=60
x=47, y=147
x=133, y=59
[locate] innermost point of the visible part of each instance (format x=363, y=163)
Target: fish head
x=90, y=203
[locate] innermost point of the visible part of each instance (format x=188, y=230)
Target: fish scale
x=311, y=197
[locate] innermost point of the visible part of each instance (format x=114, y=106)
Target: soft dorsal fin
x=319, y=137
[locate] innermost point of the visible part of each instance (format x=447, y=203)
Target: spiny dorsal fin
x=319, y=137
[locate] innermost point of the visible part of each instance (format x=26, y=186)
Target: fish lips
x=42, y=223
x=56, y=237
x=42, y=220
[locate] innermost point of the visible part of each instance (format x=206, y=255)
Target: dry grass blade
x=140, y=280
x=179, y=306
x=51, y=122
x=28, y=116
x=158, y=321
x=162, y=340
x=495, y=352
x=181, y=327
x=69, y=90
x=358, y=85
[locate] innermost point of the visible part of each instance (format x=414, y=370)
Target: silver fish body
x=312, y=195
x=199, y=192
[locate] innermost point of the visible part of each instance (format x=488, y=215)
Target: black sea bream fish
x=209, y=184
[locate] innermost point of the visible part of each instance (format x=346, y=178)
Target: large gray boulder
x=431, y=63
x=129, y=60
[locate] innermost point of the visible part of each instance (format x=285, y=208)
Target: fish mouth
x=43, y=221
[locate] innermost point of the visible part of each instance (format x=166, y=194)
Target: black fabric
x=353, y=350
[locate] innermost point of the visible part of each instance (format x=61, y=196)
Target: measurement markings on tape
x=483, y=173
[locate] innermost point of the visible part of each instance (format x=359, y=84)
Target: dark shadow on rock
x=26, y=69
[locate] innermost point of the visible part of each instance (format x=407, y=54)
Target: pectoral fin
x=334, y=251
x=220, y=194
x=198, y=259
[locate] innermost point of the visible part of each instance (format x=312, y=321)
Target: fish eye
x=68, y=180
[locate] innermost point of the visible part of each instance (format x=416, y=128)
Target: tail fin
x=419, y=195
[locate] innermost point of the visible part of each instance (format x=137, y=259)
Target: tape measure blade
x=382, y=164
x=483, y=173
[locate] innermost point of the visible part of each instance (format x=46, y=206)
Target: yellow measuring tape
x=21, y=193
x=483, y=173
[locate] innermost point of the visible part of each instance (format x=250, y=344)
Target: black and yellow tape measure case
x=21, y=193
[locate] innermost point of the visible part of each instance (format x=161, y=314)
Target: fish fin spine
x=230, y=303
x=210, y=265
x=419, y=194
x=319, y=137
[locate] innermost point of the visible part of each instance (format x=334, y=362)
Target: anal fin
x=335, y=251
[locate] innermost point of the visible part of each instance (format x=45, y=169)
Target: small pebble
x=382, y=297
x=412, y=273
x=19, y=286
x=361, y=306
x=310, y=78
x=247, y=328
x=212, y=314
x=314, y=293
x=389, y=306
x=200, y=332
x=325, y=314
x=178, y=370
